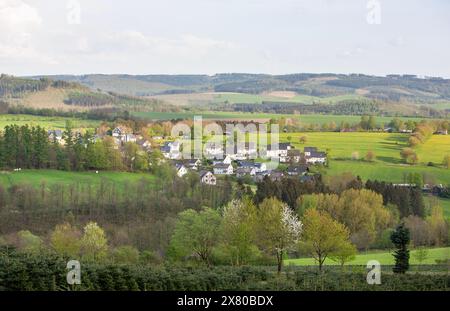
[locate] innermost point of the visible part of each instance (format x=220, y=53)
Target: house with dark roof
x=297, y=170
x=316, y=157
x=181, y=169
x=193, y=164
x=243, y=171
x=307, y=150
x=278, y=151
x=55, y=135
x=293, y=156
x=223, y=169
x=242, y=151
x=208, y=178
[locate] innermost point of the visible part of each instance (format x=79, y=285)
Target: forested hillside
x=392, y=87
x=44, y=93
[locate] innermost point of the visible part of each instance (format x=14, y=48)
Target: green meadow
x=385, y=258
x=434, y=149
x=347, y=152
x=234, y=98
x=386, y=146
x=51, y=177
x=46, y=122
x=231, y=115
x=388, y=172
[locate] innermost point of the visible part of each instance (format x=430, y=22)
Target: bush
x=47, y=271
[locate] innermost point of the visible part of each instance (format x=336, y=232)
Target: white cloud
x=16, y=15
x=18, y=23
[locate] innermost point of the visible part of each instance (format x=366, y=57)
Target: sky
x=220, y=36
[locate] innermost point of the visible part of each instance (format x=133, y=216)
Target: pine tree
x=400, y=238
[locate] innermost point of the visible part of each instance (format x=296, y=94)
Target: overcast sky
x=212, y=36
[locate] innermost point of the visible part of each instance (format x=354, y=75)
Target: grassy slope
x=385, y=258
x=36, y=177
x=388, y=172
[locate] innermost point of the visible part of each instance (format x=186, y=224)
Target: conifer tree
x=400, y=238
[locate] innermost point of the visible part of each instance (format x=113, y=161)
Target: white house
x=227, y=160
x=171, y=150
x=297, y=170
x=242, y=171
x=293, y=156
x=258, y=167
x=208, y=178
x=117, y=132
x=242, y=151
x=316, y=157
x=309, y=150
x=129, y=138
x=223, y=169
x=281, y=151
x=55, y=135
x=181, y=170
x=193, y=164
x=213, y=149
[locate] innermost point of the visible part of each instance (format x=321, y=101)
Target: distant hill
x=50, y=93
x=393, y=87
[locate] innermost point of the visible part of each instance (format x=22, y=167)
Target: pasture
x=51, y=177
x=384, y=257
x=388, y=172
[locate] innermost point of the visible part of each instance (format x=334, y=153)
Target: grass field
x=386, y=146
x=388, y=172
x=46, y=122
x=274, y=96
x=385, y=258
x=388, y=165
x=221, y=115
x=434, y=149
x=36, y=177
x=445, y=204
x=240, y=98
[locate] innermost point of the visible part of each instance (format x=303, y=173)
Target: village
x=242, y=161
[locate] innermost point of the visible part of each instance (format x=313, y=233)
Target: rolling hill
x=45, y=93
x=393, y=87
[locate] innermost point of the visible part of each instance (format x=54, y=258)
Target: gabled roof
x=318, y=155
x=203, y=173
x=244, y=170
x=57, y=133
x=310, y=149
x=294, y=152
x=297, y=169
x=191, y=161
x=179, y=166
x=281, y=146
x=222, y=165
